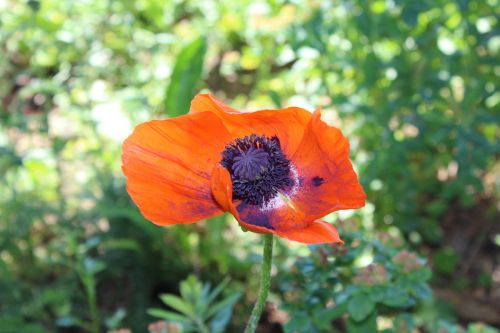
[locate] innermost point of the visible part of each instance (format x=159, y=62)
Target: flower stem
x=265, y=282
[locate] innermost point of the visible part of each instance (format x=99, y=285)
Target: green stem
x=265, y=282
x=201, y=326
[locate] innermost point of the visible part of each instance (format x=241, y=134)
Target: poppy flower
x=276, y=171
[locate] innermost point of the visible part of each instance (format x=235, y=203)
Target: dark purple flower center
x=251, y=163
x=258, y=168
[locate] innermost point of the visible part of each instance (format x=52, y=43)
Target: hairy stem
x=265, y=281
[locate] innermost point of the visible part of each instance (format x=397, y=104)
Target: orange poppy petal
x=222, y=190
x=329, y=182
x=284, y=221
x=287, y=124
x=208, y=103
x=167, y=164
x=317, y=232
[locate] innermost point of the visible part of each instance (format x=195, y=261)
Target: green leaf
x=323, y=318
x=369, y=325
x=177, y=303
x=423, y=274
x=113, y=322
x=228, y=302
x=220, y=320
x=191, y=292
x=276, y=98
x=299, y=323
x=396, y=296
x=211, y=297
x=331, y=313
x=360, y=306
x=168, y=315
x=93, y=266
x=422, y=291
x=377, y=293
x=185, y=77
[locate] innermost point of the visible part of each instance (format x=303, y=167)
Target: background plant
x=412, y=84
x=198, y=309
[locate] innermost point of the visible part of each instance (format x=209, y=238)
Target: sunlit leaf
x=360, y=306
x=185, y=78
x=168, y=315
x=177, y=303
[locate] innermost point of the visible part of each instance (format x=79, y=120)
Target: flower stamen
x=259, y=168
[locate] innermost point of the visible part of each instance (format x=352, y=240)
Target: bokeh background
x=412, y=84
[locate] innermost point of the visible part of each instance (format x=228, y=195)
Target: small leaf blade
x=185, y=77
x=168, y=315
x=178, y=304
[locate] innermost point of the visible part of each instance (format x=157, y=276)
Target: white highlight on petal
x=284, y=199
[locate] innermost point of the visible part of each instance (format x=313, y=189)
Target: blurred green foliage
x=413, y=84
x=199, y=311
x=332, y=286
